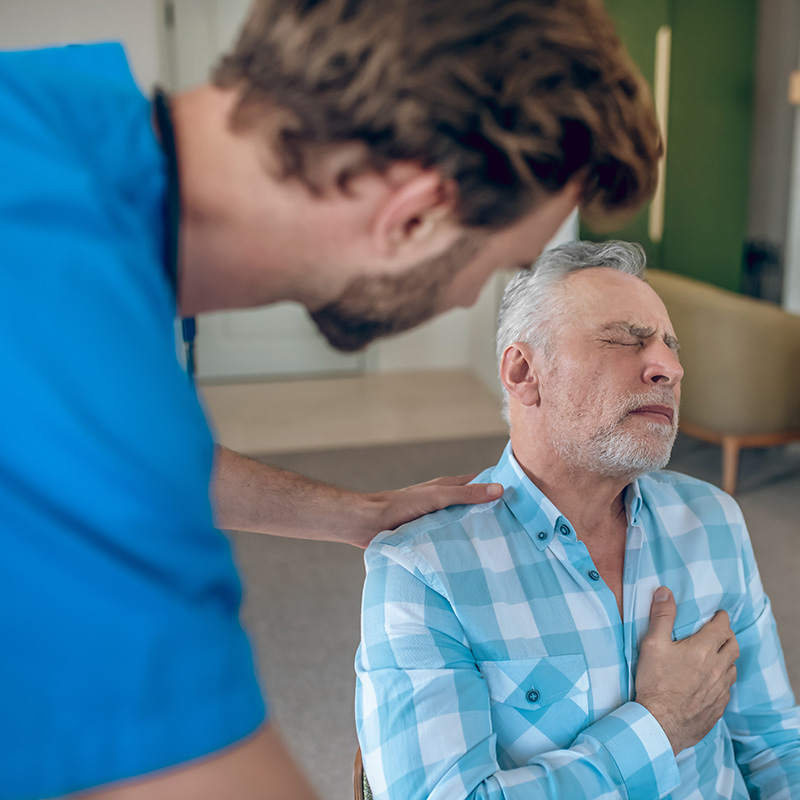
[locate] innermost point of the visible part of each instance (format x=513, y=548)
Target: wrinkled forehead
x=601, y=295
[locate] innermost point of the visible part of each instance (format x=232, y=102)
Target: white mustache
x=660, y=398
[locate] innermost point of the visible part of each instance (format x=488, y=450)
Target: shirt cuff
x=640, y=749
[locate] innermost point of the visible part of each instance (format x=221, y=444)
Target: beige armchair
x=742, y=362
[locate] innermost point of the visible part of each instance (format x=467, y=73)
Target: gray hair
x=530, y=306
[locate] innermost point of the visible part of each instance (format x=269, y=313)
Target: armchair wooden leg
x=731, y=447
x=361, y=790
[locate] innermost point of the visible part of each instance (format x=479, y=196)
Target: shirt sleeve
x=762, y=717
x=424, y=720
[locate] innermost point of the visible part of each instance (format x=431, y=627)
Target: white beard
x=624, y=448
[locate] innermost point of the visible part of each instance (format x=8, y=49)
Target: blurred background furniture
x=741, y=357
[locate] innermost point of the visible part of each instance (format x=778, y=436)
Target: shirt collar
x=633, y=502
x=538, y=516
x=535, y=512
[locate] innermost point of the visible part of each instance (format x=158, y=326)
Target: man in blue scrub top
x=373, y=161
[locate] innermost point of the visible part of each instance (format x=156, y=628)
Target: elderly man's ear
x=520, y=374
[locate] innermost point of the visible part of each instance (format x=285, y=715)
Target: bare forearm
x=250, y=496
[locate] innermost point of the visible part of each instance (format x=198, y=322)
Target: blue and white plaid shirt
x=494, y=664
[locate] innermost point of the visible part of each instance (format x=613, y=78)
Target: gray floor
x=302, y=601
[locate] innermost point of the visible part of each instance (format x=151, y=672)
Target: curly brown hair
x=508, y=98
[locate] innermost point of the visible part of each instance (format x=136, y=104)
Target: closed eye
x=623, y=344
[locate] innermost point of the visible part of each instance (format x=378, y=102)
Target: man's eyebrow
x=631, y=328
x=672, y=342
x=640, y=332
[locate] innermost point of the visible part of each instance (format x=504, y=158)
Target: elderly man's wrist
x=666, y=721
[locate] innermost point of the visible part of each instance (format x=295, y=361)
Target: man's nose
x=663, y=366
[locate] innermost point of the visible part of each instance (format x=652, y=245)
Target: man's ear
x=519, y=374
x=416, y=217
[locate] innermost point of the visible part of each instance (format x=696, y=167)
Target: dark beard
x=352, y=332
x=376, y=306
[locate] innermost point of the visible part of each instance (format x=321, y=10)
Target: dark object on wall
x=763, y=271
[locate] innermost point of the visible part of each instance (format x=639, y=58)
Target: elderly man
x=532, y=646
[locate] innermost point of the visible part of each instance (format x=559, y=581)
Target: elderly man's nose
x=664, y=368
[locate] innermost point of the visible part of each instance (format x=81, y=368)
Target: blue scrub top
x=121, y=650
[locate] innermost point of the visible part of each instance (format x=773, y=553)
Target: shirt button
x=564, y=529
x=532, y=696
x=542, y=535
x=594, y=574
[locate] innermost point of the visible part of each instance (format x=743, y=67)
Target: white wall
x=136, y=23
x=778, y=41
x=774, y=201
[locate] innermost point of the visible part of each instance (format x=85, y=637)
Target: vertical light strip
x=655, y=227
x=791, y=279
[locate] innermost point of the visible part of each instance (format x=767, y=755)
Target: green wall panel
x=710, y=118
x=711, y=99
